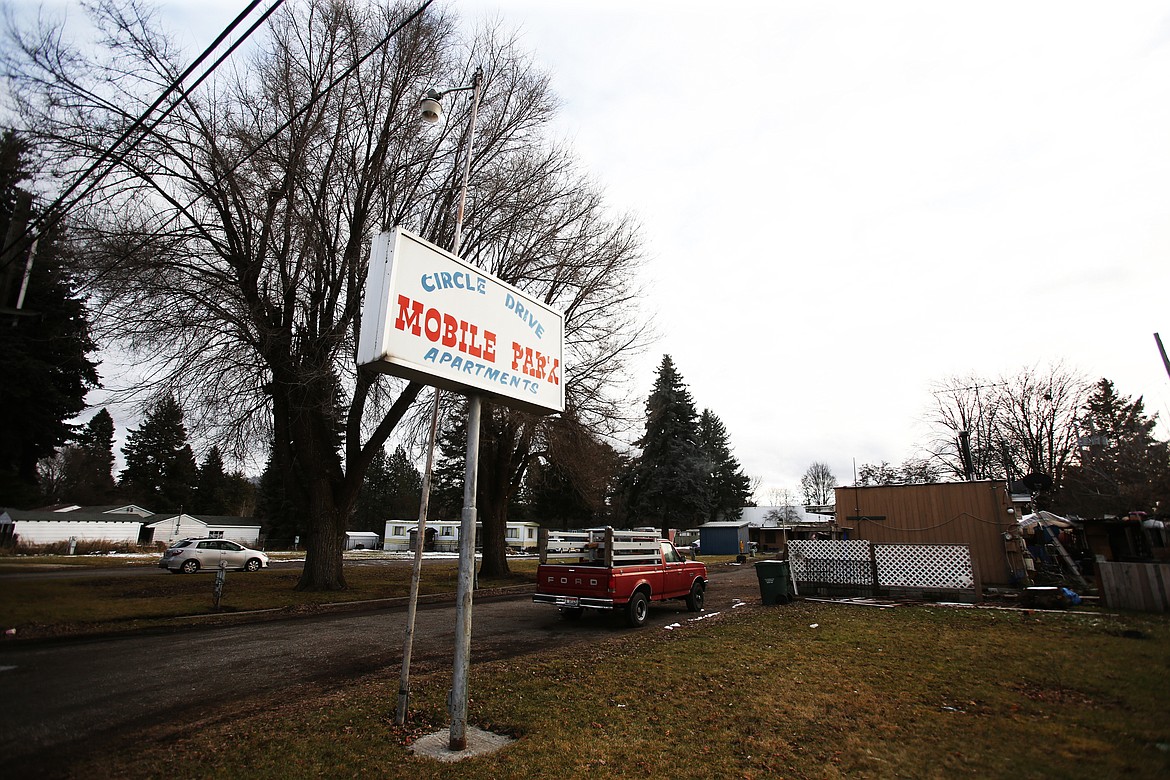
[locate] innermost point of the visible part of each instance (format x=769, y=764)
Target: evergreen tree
x=240, y=493
x=406, y=486
x=392, y=490
x=553, y=499
x=211, y=486
x=729, y=488
x=44, y=345
x=88, y=465
x=160, y=467
x=667, y=484
x=278, y=508
x=1120, y=466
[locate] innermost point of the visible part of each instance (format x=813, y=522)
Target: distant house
x=443, y=536
x=40, y=526
x=771, y=527
x=169, y=528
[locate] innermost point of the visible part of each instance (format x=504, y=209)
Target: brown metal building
x=978, y=514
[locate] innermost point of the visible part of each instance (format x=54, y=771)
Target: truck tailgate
x=572, y=586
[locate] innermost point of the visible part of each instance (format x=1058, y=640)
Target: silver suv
x=191, y=555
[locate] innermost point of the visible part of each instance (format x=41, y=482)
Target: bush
x=83, y=547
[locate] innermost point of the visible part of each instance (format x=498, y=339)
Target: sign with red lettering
x=431, y=317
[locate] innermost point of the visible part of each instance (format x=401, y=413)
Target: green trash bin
x=775, y=581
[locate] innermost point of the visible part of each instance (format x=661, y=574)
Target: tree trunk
x=324, y=568
x=495, y=546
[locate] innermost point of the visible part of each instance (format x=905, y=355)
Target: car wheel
x=253, y=564
x=572, y=613
x=695, y=599
x=190, y=567
x=637, y=608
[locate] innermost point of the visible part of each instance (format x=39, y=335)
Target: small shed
x=362, y=540
x=724, y=537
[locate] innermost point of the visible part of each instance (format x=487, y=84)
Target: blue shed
x=724, y=537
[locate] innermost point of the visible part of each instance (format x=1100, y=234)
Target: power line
x=296, y=115
x=54, y=213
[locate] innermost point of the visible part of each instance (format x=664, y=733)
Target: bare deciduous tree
x=817, y=485
x=228, y=250
x=1018, y=425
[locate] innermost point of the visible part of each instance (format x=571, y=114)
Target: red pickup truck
x=621, y=570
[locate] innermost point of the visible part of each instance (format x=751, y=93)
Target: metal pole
x=416, y=571
x=1162, y=352
x=457, y=700
x=477, y=82
x=420, y=539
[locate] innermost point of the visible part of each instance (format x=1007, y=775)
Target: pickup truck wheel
x=572, y=613
x=695, y=599
x=637, y=608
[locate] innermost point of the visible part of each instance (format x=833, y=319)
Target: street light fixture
x=432, y=110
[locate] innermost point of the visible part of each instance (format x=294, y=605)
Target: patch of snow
x=703, y=617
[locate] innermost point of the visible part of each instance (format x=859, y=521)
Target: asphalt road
x=66, y=697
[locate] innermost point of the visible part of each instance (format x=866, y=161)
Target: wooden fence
x=1143, y=587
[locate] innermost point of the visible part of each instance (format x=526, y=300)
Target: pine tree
x=89, y=464
x=729, y=488
x=667, y=484
x=211, y=486
x=405, y=485
x=160, y=466
x=1120, y=467
x=44, y=345
x=278, y=507
x=392, y=490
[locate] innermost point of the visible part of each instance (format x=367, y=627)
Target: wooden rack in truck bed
x=623, y=570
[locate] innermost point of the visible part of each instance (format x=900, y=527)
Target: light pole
x=432, y=110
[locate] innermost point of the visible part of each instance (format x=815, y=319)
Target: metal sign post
x=457, y=700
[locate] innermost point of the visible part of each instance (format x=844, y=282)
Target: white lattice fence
x=831, y=561
x=926, y=566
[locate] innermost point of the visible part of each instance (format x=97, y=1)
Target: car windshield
x=183, y=543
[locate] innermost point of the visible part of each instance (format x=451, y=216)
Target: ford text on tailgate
x=621, y=570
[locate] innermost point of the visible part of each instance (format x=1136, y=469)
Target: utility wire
x=54, y=213
x=296, y=115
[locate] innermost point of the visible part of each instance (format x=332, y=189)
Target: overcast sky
x=845, y=202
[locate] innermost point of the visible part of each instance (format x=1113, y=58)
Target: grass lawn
x=809, y=690
x=97, y=602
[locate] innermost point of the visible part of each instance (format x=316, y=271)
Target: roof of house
x=49, y=516
x=154, y=521
x=758, y=516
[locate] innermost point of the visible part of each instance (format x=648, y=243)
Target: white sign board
x=431, y=317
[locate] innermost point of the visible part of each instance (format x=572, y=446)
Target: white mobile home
x=169, y=528
x=40, y=527
x=443, y=536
